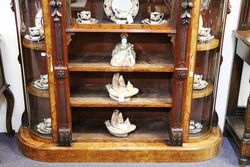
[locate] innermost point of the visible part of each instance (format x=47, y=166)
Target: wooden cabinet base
x=120, y=151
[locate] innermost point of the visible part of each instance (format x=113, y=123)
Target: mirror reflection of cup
x=84, y=15
x=35, y=31
x=156, y=16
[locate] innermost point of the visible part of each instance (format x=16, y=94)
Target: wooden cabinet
x=173, y=119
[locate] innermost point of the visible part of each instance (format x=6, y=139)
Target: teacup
x=156, y=17
x=44, y=78
x=47, y=122
x=35, y=31
x=204, y=31
x=84, y=15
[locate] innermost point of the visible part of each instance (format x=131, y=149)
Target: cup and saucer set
x=199, y=83
x=84, y=17
x=44, y=127
x=156, y=18
x=36, y=34
x=41, y=83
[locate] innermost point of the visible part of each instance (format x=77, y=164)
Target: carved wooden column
x=184, y=8
x=57, y=58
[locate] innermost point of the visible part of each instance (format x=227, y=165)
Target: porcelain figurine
x=204, y=33
x=117, y=126
x=195, y=127
x=119, y=91
x=199, y=83
x=123, y=55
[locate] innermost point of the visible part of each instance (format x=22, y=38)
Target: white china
x=119, y=90
x=121, y=11
x=195, y=127
x=39, y=18
x=117, y=126
x=90, y=21
x=148, y=21
x=44, y=127
x=199, y=83
x=35, y=31
x=41, y=83
x=84, y=15
x=156, y=17
x=123, y=55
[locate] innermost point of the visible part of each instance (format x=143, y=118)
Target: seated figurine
x=123, y=54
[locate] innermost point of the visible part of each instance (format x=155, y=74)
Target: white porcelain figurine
x=123, y=55
x=117, y=126
x=119, y=91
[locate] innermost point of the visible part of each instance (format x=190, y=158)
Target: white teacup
x=84, y=15
x=156, y=17
x=35, y=31
x=204, y=31
x=47, y=122
x=44, y=78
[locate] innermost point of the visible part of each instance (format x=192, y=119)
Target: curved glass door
x=211, y=20
x=35, y=67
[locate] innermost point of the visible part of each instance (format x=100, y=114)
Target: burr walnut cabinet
x=66, y=64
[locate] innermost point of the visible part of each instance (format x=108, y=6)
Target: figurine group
x=117, y=126
x=199, y=83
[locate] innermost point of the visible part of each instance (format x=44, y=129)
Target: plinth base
x=120, y=151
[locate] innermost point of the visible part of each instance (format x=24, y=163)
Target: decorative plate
x=119, y=11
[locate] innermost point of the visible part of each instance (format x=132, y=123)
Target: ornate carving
x=176, y=137
x=65, y=138
x=246, y=137
x=186, y=5
x=60, y=71
x=56, y=5
x=181, y=73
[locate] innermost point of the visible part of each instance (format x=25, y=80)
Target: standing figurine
x=123, y=54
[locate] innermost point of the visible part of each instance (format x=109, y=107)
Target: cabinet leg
x=10, y=105
x=243, y=161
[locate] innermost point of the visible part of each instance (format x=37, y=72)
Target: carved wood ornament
x=186, y=5
x=56, y=5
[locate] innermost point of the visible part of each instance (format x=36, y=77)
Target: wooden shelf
x=147, y=130
x=33, y=45
x=112, y=27
x=213, y=44
x=204, y=92
x=37, y=92
x=101, y=63
x=98, y=97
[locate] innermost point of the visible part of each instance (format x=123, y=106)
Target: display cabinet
x=88, y=65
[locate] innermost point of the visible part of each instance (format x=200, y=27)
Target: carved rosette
x=186, y=5
x=56, y=7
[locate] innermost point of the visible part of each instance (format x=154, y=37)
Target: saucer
x=201, y=85
x=41, y=128
x=90, y=21
x=34, y=38
x=148, y=21
x=39, y=85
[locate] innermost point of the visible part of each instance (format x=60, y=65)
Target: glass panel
x=207, y=65
x=120, y=11
x=35, y=67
